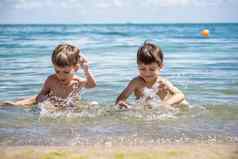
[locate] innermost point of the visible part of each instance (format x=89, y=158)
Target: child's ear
x=161, y=66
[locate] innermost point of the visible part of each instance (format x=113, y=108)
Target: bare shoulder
x=137, y=81
x=51, y=79
x=164, y=80
x=50, y=82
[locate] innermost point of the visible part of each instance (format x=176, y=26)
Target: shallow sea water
x=205, y=69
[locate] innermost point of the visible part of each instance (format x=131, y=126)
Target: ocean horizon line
x=126, y=23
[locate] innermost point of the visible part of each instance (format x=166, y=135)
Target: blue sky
x=117, y=11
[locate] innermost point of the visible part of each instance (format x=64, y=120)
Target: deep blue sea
x=205, y=69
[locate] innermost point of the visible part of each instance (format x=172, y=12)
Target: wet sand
x=107, y=151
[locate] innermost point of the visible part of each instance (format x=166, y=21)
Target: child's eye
x=56, y=71
x=142, y=69
x=152, y=69
x=66, y=72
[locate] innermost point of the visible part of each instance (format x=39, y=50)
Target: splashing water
x=148, y=108
x=151, y=99
x=57, y=106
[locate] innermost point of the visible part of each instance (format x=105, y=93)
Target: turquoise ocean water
x=206, y=69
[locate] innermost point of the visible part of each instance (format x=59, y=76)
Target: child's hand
x=7, y=103
x=163, y=87
x=83, y=63
x=123, y=104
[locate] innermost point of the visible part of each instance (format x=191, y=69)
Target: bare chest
x=62, y=91
x=143, y=91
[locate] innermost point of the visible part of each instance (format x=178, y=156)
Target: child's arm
x=121, y=99
x=43, y=95
x=90, y=81
x=177, y=95
x=27, y=102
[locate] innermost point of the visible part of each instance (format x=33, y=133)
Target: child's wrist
x=87, y=73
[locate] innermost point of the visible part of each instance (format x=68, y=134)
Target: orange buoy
x=205, y=33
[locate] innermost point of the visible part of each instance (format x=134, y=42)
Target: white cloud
x=23, y=4
x=34, y=4
x=31, y=4
x=204, y=3
x=70, y=4
x=166, y=3
x=179, y=3
x=103, y=5
x=118, y=10
x=108, y=3
x=117, y=3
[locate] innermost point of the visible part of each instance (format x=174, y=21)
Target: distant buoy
x=205, y=33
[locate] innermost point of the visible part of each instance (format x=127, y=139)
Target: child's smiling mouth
x=149, y=77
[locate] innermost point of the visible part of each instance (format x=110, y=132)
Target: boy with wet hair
x=149, y=84
x=66, y=60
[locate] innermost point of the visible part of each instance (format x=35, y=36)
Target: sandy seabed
x=162, y=151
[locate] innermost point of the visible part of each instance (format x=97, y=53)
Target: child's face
x=149, y=72
x=65, y=74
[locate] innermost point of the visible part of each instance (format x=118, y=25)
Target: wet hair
x=65, y=55
x=149, y=53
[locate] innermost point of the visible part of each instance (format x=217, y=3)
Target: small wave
x=80, y=109
x=92, y=110
x=113, y=33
